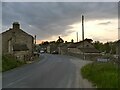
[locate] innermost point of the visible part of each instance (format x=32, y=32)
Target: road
x=53, y=71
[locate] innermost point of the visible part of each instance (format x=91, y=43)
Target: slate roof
x=85, y=50
x=20, y=47
x=89, y=50
x=61, y=44
x=74, y=45
x=11, y=30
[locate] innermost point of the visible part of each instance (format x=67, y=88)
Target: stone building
x=54, y=46
x=63, y=47
x=17, y=42
x=84, y=47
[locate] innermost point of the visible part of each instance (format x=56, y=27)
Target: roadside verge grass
x=102, y=75
x=9, y=62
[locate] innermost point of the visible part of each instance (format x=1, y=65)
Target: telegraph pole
x=77, y=36
x=82, y=27
x=35, y=39
x=35, y=42
x=83, y=35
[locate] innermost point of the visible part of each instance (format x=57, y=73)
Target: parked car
x=55, y=52
x=42, y=51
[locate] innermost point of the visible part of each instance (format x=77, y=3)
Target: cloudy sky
x=48, y=20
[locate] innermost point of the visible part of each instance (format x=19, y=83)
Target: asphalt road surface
x=53, y=71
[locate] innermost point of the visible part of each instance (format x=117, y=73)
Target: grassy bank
x=9, y=62
x=102, y=75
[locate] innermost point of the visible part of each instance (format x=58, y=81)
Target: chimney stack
x=16, y=25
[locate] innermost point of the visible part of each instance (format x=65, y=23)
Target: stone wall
x=92, y=57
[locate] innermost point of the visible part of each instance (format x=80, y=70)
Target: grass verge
x=102, y=75
x=9, y=62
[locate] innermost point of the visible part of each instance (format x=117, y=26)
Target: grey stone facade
x=15, y=41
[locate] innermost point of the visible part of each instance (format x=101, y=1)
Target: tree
x=45, y=43
x=107, y=47
x=99, y=46
x=72, y=41
x=52, y=42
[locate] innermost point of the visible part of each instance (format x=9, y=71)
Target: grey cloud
x=105, y=23
x=49, y=19
x=102, y=39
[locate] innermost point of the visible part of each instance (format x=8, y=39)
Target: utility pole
x=35, y=39
x=35, y=42
x=77, y=36
x=83, y=35
x=82, y=27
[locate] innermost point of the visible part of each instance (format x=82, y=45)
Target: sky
x=48, y=20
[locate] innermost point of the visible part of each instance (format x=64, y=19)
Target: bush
x=9, y=62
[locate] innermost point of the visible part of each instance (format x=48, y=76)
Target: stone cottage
x=83, y=47
x=54, y=46
x=17, y=42
x=62, y=47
